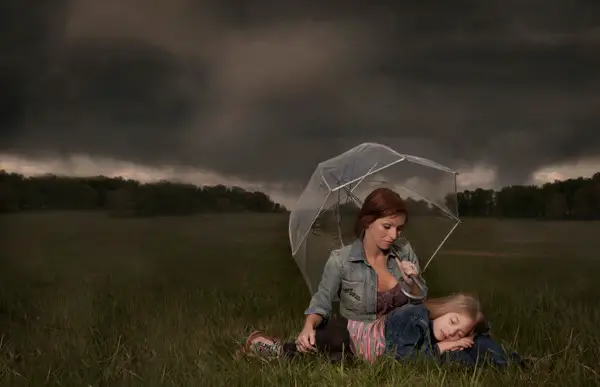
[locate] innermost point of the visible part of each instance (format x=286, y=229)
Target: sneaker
x=261, y=345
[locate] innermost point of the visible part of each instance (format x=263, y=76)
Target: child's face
x=452, y=326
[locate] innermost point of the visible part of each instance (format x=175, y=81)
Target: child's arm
x=460, y=344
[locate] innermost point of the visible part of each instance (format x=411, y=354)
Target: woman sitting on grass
x=366, y=276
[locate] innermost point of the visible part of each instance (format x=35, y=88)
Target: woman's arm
x=320, y=305
x=312, y=321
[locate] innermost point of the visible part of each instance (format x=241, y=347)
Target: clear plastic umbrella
x=323, y=217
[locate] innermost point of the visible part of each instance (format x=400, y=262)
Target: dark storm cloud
x=260, y=91
x=29, y=37
x=112, y=97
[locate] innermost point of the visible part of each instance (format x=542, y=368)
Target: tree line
x=124, y=197
x=576, y=199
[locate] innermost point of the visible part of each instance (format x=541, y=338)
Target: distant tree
x=9, y=197
x=569, y=199
x=556, y=206
x=120, y=202
x=121, y=197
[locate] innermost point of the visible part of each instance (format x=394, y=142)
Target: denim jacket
x=409, y=333
x=348, y=276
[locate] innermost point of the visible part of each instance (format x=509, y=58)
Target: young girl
x=435, y=327
x=432, y=328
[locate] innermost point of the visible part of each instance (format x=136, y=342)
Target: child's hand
x=455, y=345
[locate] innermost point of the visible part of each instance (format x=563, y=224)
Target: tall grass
x=87, y=300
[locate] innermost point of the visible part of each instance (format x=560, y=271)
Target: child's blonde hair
x=463, y=303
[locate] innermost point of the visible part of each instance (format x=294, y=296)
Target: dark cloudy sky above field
x=257, y=92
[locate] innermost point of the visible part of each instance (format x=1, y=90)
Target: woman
x=366, y=276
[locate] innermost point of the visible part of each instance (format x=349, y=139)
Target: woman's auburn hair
x=380, y=203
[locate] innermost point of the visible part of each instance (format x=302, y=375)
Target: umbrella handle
x=417, y=281
x=420, y=285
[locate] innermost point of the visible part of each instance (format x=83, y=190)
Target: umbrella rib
x=371, y=172
x=440, y=246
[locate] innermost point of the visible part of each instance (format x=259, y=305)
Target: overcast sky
x=500, y=89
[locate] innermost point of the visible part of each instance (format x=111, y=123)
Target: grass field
x=86, y=300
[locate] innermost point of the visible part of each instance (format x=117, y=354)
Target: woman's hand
x=455, y=345
x=408, y=269
x=306, y=339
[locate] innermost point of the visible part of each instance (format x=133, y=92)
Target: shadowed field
x=89, y=300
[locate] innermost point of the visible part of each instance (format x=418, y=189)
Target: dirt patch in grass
x=501, y=254
x=525, y=241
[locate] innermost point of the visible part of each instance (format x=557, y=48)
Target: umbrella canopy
x=323, y=218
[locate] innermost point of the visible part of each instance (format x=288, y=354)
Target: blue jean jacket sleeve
x=407, y=334
x=321, y=301
x=412, y=256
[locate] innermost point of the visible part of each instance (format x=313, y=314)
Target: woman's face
x=384, y=231
x=452, y=326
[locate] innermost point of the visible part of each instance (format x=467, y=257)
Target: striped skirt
x=367, y=338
